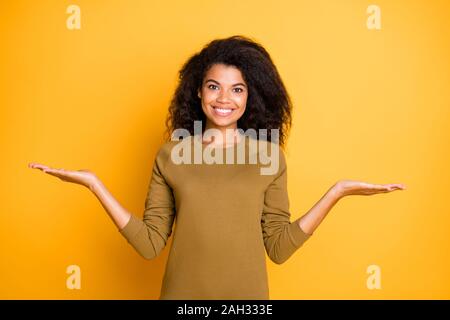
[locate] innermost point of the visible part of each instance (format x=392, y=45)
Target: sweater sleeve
x=148, y=236
x=281, y=237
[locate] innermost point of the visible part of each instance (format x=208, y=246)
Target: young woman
x=227, y=215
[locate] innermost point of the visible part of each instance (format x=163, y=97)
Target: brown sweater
x=227, y=217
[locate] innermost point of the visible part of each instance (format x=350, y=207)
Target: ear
x=199, y=94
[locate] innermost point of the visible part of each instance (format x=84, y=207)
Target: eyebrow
x=236, y=84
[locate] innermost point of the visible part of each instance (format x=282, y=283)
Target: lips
x=222, y=112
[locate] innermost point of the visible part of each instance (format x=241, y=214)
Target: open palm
x=352, y=187
x=83, y=177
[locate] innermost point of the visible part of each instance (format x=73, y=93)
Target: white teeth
x=225, y=111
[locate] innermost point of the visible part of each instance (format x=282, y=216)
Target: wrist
x=337, y=191
x=94, y=184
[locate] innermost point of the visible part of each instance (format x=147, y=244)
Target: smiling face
x=224, y=96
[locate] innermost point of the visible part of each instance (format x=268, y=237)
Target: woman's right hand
x=83, y=177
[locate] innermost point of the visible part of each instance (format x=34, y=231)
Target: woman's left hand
x=350, y=187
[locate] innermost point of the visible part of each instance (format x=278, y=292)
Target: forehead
x=224, y=73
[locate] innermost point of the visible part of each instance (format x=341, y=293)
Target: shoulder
x=166, y=148
x=270, y=155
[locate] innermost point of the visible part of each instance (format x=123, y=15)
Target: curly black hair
x=268, y=103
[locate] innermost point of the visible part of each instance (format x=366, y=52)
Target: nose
x=223, y=97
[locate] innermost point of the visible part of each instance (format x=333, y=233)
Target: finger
x=390, y=186
x=58, y=172
x=38, y=166
x=53, y=171
x=35, y=164
x=396, y=187
x=379, y=187
x=369, y=186
x=49, y=170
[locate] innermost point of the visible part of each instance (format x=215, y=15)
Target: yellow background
x=369, y=105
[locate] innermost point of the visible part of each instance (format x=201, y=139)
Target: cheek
x=242, y=107
x=210, y=99
x=240, y=100
x=243, y=102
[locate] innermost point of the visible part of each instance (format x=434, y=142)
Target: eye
x=239, y=89
x=211, y=85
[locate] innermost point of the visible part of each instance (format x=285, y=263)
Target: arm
x=116, y=212
x=311, y=220
x=149, y=235
x=282, y=237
